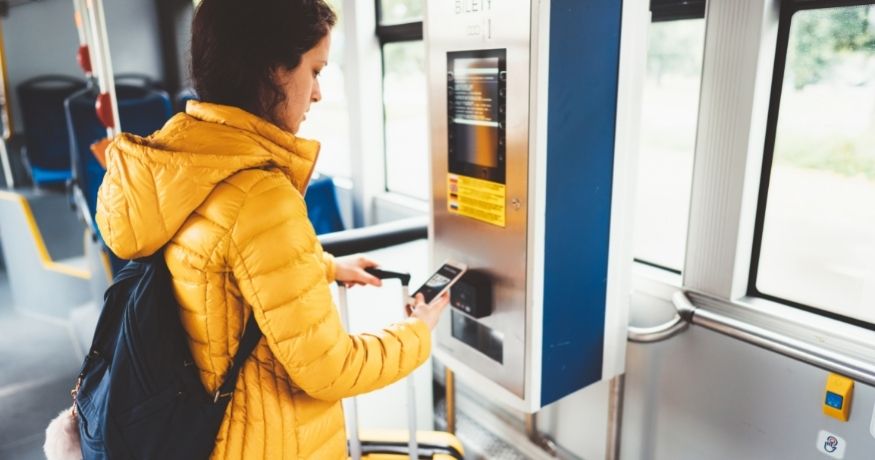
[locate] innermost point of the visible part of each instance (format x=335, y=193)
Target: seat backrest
x=145, y=115
x=322, y=207
x=137, y=79
x=183, y=96
x=142, y=112
x=42, y=109
x=84, y=128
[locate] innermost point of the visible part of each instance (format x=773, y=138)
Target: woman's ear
x=278, y=75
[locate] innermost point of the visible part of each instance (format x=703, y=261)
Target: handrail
x=776, y=342
x=658, y=333
x=665, y=331
x=687, y=314
x=790, y=347
x=393, y=233
x=375, y=237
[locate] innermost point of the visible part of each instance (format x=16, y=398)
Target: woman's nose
x=316, y=96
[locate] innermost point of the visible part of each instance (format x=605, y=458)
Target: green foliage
x=818, y=38
x=675, y=48
x=403, y=58
x=847, y=157
x=830, y=52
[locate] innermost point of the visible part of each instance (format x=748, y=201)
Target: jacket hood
x=153, y=184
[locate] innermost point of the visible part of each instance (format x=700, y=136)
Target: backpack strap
x=250, y=339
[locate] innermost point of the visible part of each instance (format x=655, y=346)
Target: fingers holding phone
x=429, y=313
x=433, y=296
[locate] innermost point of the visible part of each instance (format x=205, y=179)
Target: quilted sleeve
x=330, y=270
x=281, y=272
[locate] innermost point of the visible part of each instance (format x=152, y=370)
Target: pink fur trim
x=62, y=437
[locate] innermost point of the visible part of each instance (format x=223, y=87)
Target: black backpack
x=139, y=395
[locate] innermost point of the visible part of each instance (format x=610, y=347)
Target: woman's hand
x=350, y=270
x=428, y=313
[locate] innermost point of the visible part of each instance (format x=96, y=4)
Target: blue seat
x=182, y=98
x=322, y=207
x=47, y=145
x=142, y=111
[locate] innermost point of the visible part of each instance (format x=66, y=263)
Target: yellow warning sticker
x=476, y=198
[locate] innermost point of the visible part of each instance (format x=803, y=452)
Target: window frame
x=788, y=9
x=411, y=31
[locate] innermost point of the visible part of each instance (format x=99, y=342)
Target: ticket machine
x=533, y=121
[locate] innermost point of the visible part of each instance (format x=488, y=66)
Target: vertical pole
x=5, y=114
x=450, y=399
x=349, y=404
x=615, y=417
x=103, y=60
x=83, y=30
x=413, y=442
x=539, y=439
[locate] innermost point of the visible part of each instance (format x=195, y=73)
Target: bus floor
x=39, y=359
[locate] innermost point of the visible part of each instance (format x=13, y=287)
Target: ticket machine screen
x=476, y=113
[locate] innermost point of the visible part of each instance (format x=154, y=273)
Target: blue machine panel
x=584, y=67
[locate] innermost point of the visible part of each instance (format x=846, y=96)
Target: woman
x=219, y=188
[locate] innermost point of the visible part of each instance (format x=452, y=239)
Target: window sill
x=391, y=206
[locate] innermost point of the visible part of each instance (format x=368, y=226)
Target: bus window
x=404, y=97
x=668, y=133
x=815, y=245
x=399, y=11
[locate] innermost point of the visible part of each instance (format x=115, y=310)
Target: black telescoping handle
x=386, y=274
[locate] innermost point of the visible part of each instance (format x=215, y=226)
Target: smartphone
x=441, y=280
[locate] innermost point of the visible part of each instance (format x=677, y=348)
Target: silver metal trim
x=540, y=439
x=665, y=331
x=800, y=350
x=658, y=333
x=350, y=405
x=615, y=417
x=828, y=360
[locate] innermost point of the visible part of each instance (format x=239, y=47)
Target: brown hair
x=236, y=45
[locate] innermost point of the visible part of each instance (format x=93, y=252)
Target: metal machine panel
x=528, y=189
x=500, y=251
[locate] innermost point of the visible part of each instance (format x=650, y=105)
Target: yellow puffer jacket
x=222, y=191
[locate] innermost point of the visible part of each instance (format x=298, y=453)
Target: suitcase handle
x=385, y=274
x=354, y=444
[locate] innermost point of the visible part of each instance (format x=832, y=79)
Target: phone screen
x=444, y=276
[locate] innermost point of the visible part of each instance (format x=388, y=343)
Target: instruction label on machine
x=476, y=198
